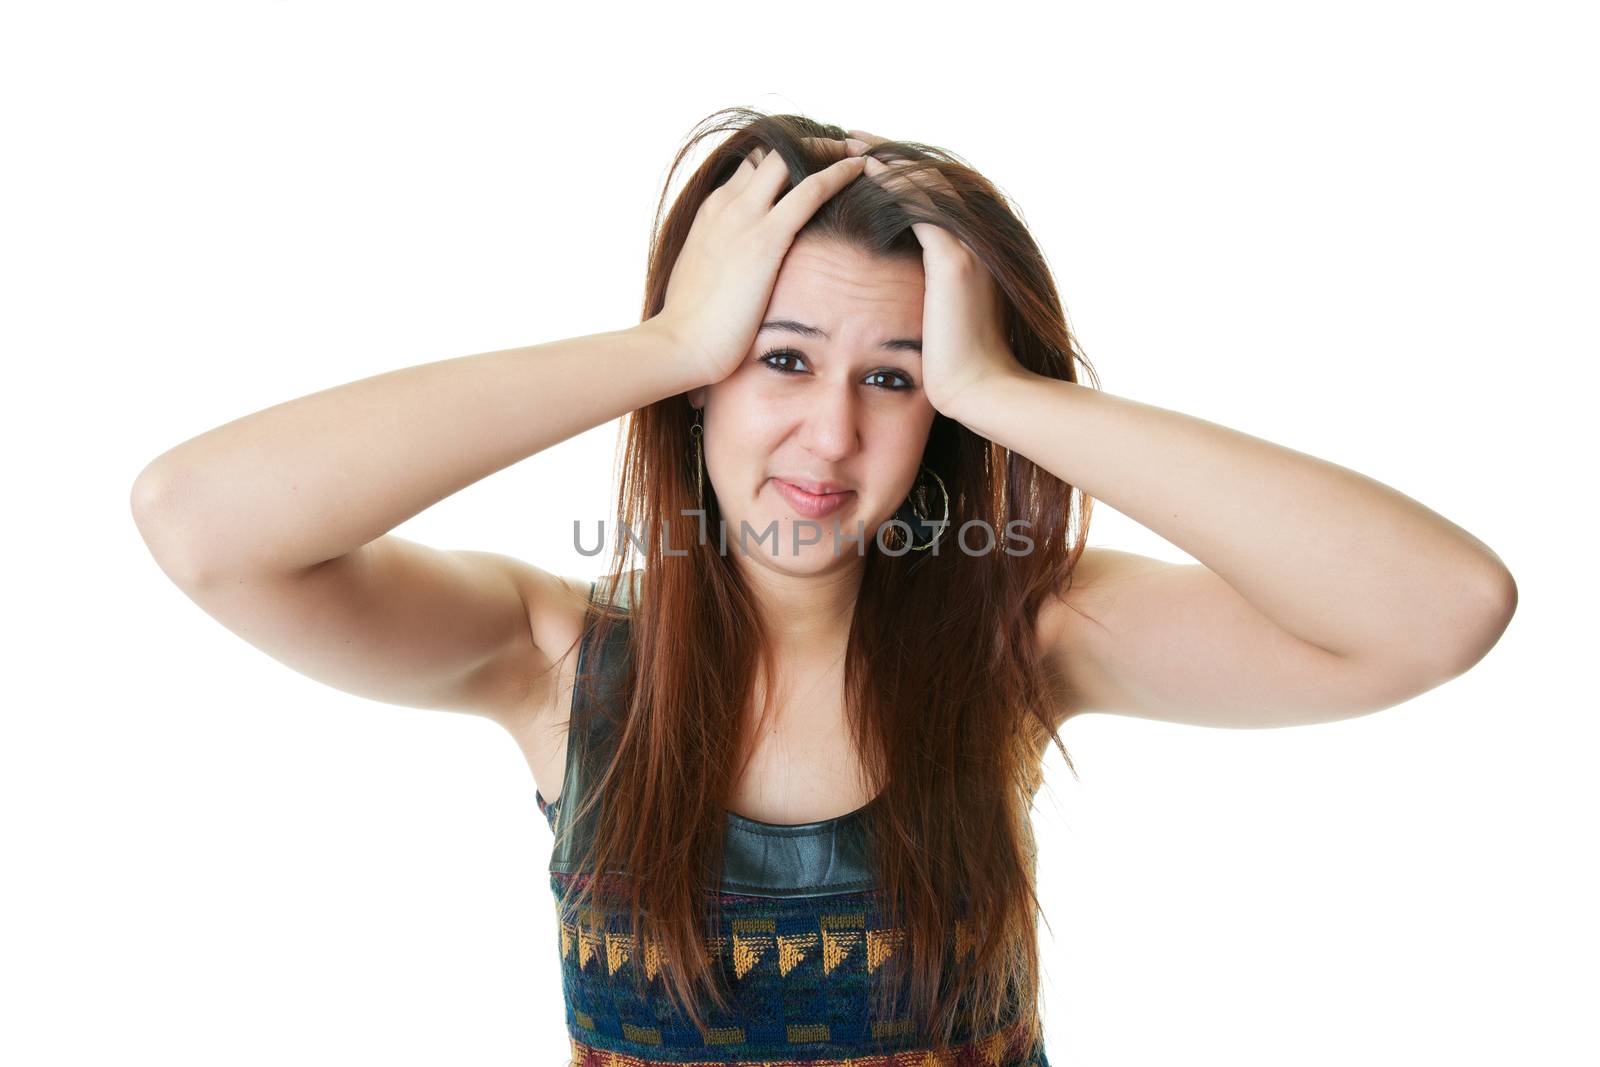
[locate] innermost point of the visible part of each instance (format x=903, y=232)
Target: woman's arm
x=1332, y=557
x=276, y=524
x=284, y=489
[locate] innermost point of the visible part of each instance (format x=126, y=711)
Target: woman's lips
x=813, y=505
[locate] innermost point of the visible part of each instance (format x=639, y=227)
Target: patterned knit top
x=799, y=942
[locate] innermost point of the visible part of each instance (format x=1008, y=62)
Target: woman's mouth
x=812, y=505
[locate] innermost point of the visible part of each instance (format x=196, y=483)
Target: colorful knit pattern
x=799, y=971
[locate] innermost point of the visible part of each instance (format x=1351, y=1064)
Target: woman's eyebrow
x=897, y=344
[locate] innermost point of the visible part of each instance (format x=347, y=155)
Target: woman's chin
x=799, y=546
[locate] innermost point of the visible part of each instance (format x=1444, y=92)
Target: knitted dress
x=799, y=942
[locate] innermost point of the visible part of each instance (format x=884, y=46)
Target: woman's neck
x=809, y=615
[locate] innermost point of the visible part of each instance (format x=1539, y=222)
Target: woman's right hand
x=722, y=281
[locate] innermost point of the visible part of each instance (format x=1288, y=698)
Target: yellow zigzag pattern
x=754, y=940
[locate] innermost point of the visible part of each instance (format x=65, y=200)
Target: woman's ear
x=697, y=396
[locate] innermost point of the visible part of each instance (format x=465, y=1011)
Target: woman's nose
x=831, y=426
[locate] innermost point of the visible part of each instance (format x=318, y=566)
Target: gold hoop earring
x=919, y=496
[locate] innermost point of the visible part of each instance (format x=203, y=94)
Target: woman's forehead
x=830, y=287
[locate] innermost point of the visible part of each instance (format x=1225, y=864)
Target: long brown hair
x=952, y=743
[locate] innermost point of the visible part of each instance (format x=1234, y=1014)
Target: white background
x=1363, y=230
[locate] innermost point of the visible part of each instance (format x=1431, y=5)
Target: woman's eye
x=771, y=360
x=781, y=353
x=905, y=383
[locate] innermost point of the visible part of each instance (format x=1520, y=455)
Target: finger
x=936, y=238
x=869, y=138
x=741, y=174
x=827, y=145
x=769, y=177
x=758, y=171
x=801, y=202
x=773, y=177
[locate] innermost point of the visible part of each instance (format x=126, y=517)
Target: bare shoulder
x=557, y=605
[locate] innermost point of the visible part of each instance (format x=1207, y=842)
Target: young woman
x=788, y=756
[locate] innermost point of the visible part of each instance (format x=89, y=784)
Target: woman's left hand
x=964, y=341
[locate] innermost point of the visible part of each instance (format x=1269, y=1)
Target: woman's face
x=832, y=404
